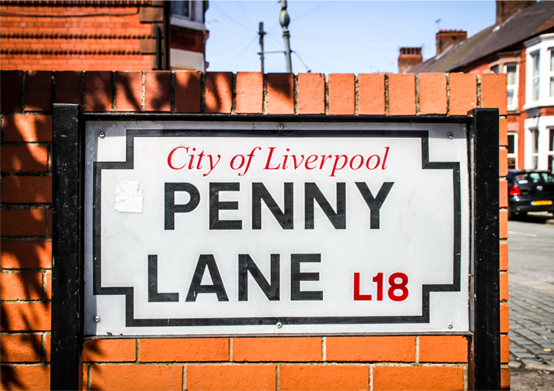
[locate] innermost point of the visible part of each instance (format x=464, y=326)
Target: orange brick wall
x=284, y=363
x=69, y=41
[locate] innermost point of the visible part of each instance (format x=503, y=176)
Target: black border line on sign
x=128, y=292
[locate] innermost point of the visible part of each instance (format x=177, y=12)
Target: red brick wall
x=68, y=41
x=284, y=363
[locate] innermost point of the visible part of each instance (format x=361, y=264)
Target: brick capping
x=284, y=363
x=365, y=94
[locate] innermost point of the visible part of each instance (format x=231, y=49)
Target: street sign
x=230, y=227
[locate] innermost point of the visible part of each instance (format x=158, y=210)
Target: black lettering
x=171, y=208
x=153, y=295
x=246, y=264
x=217, y=287
x=312, y=193
x=216, y=206
x=259, y=193
x=374, y=204
x=296, y=277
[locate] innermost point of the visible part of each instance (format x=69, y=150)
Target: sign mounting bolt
x=101, y=134
x=450, y=135
x=280, y=126
x=279, y=325
x=97, y=319
x=450, y=325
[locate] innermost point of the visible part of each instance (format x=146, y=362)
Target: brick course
x=277, y=349
x=183, y=350
x=400, y=349
x=371, y=91
x=250, y=93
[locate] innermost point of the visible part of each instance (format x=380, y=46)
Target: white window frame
x=182, y=16
x=550, y=73
x=195, y=19
x=514, y=86
x=534, y=154
x=550, y=152
x=536, y=77
x=542, y=46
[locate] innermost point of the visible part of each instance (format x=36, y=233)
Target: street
x=531, y=283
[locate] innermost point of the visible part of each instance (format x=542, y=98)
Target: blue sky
x=335, y=36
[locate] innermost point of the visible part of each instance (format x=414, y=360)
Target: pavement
x=531, y=326
x=531, y=290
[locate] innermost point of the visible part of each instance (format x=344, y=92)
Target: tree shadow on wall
x=16, y=258
x=161, y=98
x=281, y=87
x=24, y=254
x=125, y=82
x=217, y=85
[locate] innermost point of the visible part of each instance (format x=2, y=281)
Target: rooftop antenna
x=437, y=22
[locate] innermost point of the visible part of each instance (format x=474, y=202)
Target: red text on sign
x=394, y=287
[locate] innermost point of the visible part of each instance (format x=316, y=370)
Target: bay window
x=511, y=72
x=536, y=75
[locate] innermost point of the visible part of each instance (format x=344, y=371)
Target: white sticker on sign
x=128, y=197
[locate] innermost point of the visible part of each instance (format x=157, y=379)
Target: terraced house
x=521, y=45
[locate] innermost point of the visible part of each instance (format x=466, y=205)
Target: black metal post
x=67, y=248
x=484, y=368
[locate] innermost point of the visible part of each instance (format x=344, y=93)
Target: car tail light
x=514, y=190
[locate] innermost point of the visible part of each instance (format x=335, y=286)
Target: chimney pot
x=447, y=38
x=506, y=9
x=408, y=58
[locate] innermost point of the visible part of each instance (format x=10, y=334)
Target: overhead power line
x=238, y=56
x=231, y=19
x=303, y=63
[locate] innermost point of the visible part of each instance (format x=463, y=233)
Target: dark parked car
x=530, y=191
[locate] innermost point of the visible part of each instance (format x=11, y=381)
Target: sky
x=334, y=36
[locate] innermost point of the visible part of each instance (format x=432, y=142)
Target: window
x=551, y=151
x=511, y=71
x=494, y=69
x=551, y=72
x=534, y=148
x=512, y=150
x=536, y=75
x=181, y=8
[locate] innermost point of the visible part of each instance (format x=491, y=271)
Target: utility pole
x=262, y=33
x=284, y=19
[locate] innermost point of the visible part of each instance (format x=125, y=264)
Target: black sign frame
x=68, y=230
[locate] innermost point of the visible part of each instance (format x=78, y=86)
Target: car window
x=521, y=179
x=548, y=178
x=534, y=177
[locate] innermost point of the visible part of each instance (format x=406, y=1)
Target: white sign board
x=224, y=228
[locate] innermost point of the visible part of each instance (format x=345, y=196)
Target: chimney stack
x=506, y=9
x=447, y=38
x=408, y=58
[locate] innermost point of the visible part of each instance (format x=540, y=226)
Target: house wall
x=515, y=116
x=539, y=111
x=284, y=363
x=86, y=35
